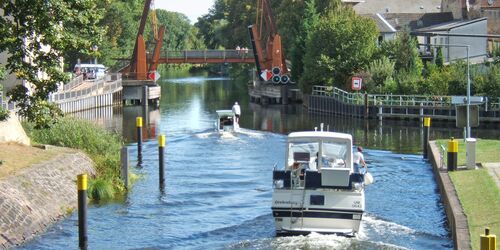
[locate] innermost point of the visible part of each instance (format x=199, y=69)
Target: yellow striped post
x=452, y=154
x=161, y=152
x=82, y=211
x=138, y=123
x=427, y=125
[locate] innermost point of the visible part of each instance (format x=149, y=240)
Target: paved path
x=494, y=171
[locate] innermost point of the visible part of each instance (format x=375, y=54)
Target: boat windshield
x=330, y=154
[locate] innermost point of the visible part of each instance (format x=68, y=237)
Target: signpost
x=356, y=83
x=154, y=75
x=266, y=75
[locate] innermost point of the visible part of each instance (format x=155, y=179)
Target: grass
x=100, y=145
x=11, y=163
x=486, y=150
x=477, y=191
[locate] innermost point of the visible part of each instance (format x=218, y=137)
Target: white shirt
x=357, y=157
x=237, y=109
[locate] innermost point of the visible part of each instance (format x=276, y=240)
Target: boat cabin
x=225, y=121
x=319, y=160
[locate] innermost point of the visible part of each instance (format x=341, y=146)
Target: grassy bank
x=100, y=145
x=477, y=190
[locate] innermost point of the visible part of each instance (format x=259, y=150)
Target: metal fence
x=110, y=83
x=208, y=54
x=5, y=102
x=393, y=100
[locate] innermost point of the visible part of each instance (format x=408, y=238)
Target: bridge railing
x=109, y=83
x=207, y=54
x=392, y=100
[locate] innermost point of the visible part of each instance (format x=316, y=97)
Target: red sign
x=154, y=75
x=356, y=83
x=266, y=75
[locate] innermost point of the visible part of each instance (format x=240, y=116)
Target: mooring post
x=161, y=153
x=366, y=106
x=139, y=138
x=124, y=161
x=427, y=124
x=452, y=154
x=82, y=211
x=487, y=241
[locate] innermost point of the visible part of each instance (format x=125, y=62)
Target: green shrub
x=102, y=147
x=4, y=114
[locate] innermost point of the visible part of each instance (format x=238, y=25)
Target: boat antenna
x=328, y=127
x=321, y=126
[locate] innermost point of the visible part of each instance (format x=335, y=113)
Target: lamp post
x=467, y=133
x=95, y=48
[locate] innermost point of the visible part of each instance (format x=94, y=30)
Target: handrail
x=389, y=99
x=102, y=83
x=207, y=54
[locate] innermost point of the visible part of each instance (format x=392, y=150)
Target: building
x=451, y=36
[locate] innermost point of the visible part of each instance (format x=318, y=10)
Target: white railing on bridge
x=389, y=99
x=110, y=83
x=73, y=83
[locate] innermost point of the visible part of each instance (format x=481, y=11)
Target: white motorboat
x=226, y=121
x=318, y=190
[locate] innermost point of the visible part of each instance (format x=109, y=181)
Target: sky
x=191, y=8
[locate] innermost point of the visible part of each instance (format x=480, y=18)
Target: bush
x=102, y=147
x=4, y=114
x=381, y=71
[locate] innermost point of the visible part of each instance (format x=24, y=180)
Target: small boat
x=226, y=121
x=318, y=189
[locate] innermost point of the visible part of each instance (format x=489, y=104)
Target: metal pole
x=139, y=140
x=161, y=152
x=124, y=160
x=468, y=94
x=82, y=211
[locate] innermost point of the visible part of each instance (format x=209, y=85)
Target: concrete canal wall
x=457, y=220
x=37, y=196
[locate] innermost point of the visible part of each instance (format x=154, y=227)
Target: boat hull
x=341, y=211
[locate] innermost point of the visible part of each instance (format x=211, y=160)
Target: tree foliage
x=36, y=34
x=341, y=44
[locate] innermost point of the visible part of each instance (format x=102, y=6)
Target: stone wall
x=457, y=220
x=39, y=195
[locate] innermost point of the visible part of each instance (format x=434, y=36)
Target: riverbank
x=470, y=197
x=34, y=196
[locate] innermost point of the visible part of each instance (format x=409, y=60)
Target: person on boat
x=237, y=112
x=359, y=159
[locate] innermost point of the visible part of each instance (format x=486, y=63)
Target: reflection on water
x=218, y=190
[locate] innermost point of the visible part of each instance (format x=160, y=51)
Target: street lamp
x=467, y=132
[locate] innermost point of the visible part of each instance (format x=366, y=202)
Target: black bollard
x=427, y=124
x=138, y=122
x=452, y=154
x=161, y=152
x=82, y=211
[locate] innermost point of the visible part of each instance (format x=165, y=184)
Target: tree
x=4, y=114
x=439, y=57
x=340, y=44
x=381, y=72
x=310, y=18
x=36, y=34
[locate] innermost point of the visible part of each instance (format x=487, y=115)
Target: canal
x=218, y=190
